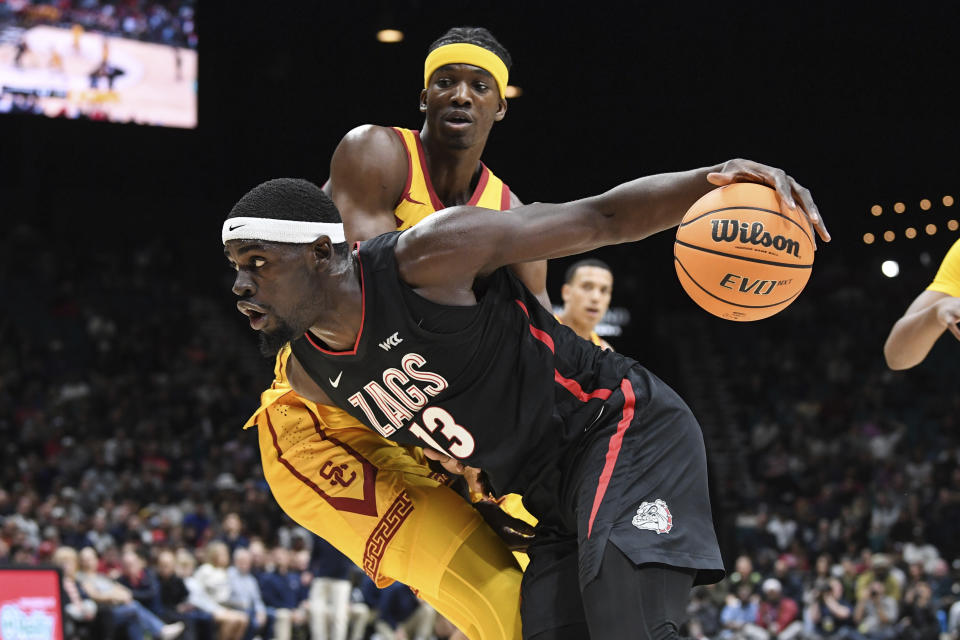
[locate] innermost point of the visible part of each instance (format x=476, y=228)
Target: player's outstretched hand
x=948, y=314
x=791, y=193
x=516, y=533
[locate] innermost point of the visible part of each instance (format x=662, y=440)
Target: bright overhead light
x=390, y=35
x=899, y=207
x=948, y=201
x=952, y=225
x=889, y=236
x=868, y=238
x=890, y=268
x=910, y=232
x=512, y=91
x=931, y=229
x=925, y=204
x=876, y=209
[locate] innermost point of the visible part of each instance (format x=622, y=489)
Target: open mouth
x=458, y=118
x=256, y=313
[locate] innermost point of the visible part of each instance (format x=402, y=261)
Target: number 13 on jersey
x=436, y=419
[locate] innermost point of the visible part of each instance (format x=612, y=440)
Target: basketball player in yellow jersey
x=932, y=312
x=377, y=502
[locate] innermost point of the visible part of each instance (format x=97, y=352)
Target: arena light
x=953, y=225
x=890, y=268
x=868, y=238
x=889, y=236
x=910, y=232
x=899, y=207
x=931, y=229
x=513, y=91
x=948, y=201
x=390, y=36
x=876, y=209
x=925, y=204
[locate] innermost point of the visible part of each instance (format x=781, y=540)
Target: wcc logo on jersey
x=654, y=516
x=391, y=342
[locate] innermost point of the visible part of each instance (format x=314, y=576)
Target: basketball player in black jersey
x=424, y=337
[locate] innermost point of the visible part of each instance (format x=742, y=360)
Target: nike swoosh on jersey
x=336, y=382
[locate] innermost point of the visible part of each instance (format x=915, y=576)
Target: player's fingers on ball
x=806, y=198
x=781, y=182
x=718, y=178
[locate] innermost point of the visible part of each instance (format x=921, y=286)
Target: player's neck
x=579, y=328
x=453, y=172
x=341, y=311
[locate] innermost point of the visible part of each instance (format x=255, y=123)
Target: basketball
x=740, y=255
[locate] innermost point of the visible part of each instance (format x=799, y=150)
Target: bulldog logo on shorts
x=654, y=516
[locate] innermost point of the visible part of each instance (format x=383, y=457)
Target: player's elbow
x=896, y=357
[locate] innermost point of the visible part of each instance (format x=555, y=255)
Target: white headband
x=272, y=230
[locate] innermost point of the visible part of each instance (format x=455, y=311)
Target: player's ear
x=423, y=101
x=565, y=292
x=322, y=251
x=501, y=110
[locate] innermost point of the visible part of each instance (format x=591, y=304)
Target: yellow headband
x=464, y=53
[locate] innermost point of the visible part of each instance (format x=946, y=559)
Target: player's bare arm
x=533, y=275
x=914, y=334
x=442, y=256
x=367, y=173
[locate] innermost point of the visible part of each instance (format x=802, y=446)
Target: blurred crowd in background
x=124, y=381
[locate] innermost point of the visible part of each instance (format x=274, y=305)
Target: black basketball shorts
x=639, y=481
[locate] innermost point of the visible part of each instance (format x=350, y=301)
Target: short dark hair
x=287, y=199
x=473, y=35
x=587, y=262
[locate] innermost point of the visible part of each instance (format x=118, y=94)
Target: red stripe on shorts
x=613, y=450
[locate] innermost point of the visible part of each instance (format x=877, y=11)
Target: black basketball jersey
x=506, y=388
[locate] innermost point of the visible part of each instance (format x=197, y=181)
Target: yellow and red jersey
x=419, y=199
x=947, y=279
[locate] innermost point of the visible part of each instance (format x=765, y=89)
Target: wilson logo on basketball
x=735, y=230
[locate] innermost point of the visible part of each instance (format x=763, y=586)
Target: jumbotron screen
x=100, y=60
x=30, y=606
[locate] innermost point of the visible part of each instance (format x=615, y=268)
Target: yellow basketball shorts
x=382, y=507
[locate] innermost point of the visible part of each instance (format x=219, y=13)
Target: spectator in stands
x=231, y=624
x=739, y=611
x=79, y=608
x=125, y=612
x=174, y=600
x=245, y=592
x=141, y=581
x=233, y=533
x=777, y=615
x=283, y=595
x=329, y=589
x=919, y=617
x=876, y=612
x=830, y=616
x=879, y=572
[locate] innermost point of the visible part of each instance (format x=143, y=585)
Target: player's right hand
x=948, y=314
x=515, y=533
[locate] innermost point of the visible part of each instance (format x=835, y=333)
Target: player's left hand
x=791, y=193
x=450, y=464
x=516, y=533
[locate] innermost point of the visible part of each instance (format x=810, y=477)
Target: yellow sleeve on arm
x=948, y=276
